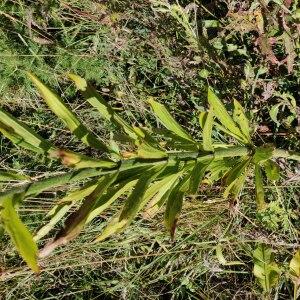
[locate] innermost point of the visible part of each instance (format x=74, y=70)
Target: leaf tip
x=80, y=82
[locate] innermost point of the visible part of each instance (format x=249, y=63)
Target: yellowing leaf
x=109, y=197
x=265, y=268
x=202, y=118
x=62, y=207
x=174, y=204
x=18, y=232
x=161, y=190
x=295, y=265
x=167, y=120
x=57, y=105
x=79, y=161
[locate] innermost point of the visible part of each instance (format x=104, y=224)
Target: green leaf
x=217, y=169
x=12, y=176
x=21, y=135
x=109, y=197
x=145, y=150
x=237, y=170
x=259, y=189
x=202, y=118
x=62, y=207
x=265, y=268
x=76, y=221
x=162, y=190
x=263, y=153
x=132, y=204
x=273, y=112
x=295, y=273
x=223, y=116
x=18, y=232
x=207, y=131
x=97, y=101
x=57, y=105
x=174, y=204
x=222, y=260
x=272, y=170
x=240, y=118
x=295, y=265
x=236, y=177
x=197, y=174
x=167, y=120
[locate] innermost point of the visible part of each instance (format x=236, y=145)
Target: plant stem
x=77, y=175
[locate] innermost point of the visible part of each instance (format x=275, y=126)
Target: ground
x=130, y=50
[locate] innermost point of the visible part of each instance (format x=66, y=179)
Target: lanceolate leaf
x=11, y=176
x=259, y=188
x=77, y=220
x=147, y=151
x=174, y=204
x=18, y=232
x=236, y=186
x=109, y=197
x=21, y=135
x=236, y=177
x=57, y=105
x=62, y=207
x=132, y=204
x=265, y=268
x=223, y=116
x=162, y=191
x=97, y=101
x=240, y=118
x=207, y=131
x=202, y=118
x=167, y=120
x=237, y=170
x=197, y=174
x=217, y=169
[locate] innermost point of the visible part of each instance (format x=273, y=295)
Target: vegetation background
x=248, y=50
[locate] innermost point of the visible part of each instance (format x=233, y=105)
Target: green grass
x=130, y=51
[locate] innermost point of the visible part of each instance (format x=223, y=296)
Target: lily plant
x=165, y=166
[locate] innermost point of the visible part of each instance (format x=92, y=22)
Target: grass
x=130, y=51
